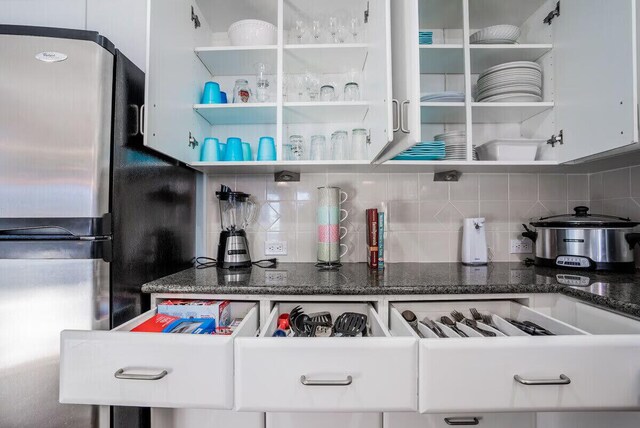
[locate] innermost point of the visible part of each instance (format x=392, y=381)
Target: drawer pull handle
x=462, y=421
x=120, y=374
x=564, y=380
x=309, y=382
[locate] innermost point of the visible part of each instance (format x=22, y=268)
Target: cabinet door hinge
x=193, y=143
x=556, y=139
x=366, y=14
x=195, y=19
x=552, y=15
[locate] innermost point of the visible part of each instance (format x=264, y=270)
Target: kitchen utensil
x=471, y=324
x=412, y=320
x=534, y=325
x=252, y=32
x=266, y=149
x=475, y=314
x=433, y=327
x=241, y=92
x=211, y=93
x=474, y=242
x=318, y=319
x=488, y=320
x=528, y=328
x=322, y=331
x=283, y=321
x=236, y=213
x=584, y=241
x=351, y=92
x=452, y=325
x=350, y=324
x=297, y=320
x=210, y=152
x=246, y=152
x=233, y=151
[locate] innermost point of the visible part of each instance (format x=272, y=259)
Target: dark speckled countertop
x=617, y=291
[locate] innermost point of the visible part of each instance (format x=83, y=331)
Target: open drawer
x=125, y=368
x=341, y=374
x=572, y=370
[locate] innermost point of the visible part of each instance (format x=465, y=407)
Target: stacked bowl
x=495, y=35
x=455, y=145
x=519, y=81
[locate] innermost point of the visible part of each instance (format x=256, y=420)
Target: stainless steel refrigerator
x=87, y=215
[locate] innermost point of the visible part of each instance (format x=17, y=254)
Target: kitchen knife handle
x=563, y=380
x=120, y=374
x=309, y=382
x=462, y=421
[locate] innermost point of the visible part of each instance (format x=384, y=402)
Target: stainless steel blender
x=236, y=212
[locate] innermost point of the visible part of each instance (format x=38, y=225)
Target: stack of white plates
x=519, y=81
x=445, y=96
x=497, y=34
x=455, y=145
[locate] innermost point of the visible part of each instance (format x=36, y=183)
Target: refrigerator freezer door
x=55, y=122
x=38, y=299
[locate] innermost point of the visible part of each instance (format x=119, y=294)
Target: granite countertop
x=617, y=291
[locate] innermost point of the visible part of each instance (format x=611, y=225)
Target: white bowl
x=252, y=32
x=497, y=34
x=510, y=150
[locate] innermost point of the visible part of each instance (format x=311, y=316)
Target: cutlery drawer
x=573, y=370
x=481, y=420
x=153, y=369
x=324, y=420
x=342, y=374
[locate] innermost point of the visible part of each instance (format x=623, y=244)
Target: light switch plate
x=275, y=248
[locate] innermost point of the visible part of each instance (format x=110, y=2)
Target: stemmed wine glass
x=333, y=28
x=316, y=30
x=299, y=30
x=355, y=26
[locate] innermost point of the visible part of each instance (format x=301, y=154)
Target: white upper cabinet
x=182, y=58
x=595, y=76
x=589, y=76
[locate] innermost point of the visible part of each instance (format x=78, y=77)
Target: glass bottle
x=241, y=92
x=262, y=83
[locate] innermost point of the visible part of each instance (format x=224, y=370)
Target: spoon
x=452, y=325
x=412, y=320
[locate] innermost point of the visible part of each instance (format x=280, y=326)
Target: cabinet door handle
x=120, y=374
x=563, y=380
x=462, y=421
x=396, y=111
x=403, y=109
x=309, y=382
x=142, y=120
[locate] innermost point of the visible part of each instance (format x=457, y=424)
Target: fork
x=452, y=325
x=486, y=319
x=475, y=314
x=471, y=323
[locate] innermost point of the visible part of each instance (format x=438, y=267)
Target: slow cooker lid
x=582, y=218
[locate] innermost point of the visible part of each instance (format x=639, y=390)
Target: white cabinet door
x=175, y=77
x=595, y=76
x=324, y=420
x=406, y=76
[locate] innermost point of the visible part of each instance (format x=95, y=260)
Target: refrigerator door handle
x=141, y=120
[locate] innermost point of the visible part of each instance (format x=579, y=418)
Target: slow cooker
x=584, y=241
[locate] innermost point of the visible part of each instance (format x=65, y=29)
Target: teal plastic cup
x=246, y=152
x=234, y=150
x=210, y=151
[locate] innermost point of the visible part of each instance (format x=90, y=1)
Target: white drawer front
x=382, y=372
x=199, y=368
x=324, y=420
x=476, y=374
x=481, y=420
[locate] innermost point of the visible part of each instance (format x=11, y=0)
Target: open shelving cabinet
x=590, y=100
x=188, y=46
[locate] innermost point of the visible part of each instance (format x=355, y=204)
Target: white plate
x=515, y=89
x=514, y=98
x=511, y=74
x=517, y=65
x=498, y=83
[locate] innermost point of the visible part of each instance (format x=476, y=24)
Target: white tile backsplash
x=424, y=218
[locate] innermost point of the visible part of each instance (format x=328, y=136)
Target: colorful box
x=220, y=311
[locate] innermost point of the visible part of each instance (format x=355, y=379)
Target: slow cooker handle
x=632, y=239
x=529, y=233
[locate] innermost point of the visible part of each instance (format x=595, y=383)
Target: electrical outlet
x=275, y=248
x=275, y=277
x=521, y=246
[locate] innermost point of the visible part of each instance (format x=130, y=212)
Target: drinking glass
x=338, y=146
x=355, y=26
x=342, y=34
x=312, y=84
x=299, y=30
x=316, y=30
x=359, y=144
x=295, y=149
x=262, y=83
x=332, y=26
x=318, y=147
x=351, y=92
x=327, y=93
x=241, y=92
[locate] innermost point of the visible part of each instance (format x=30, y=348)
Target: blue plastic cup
x=209, y=152
x=222, y=150
x=246, y=152
x=211, y=93
x=234, y=150
x=223, y=98
x=266, y=149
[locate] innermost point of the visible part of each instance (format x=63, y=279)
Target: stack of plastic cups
x=329, y=216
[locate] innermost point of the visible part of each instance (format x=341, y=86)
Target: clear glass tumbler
x=318, y=147
x=294, y=151
x=351, y=92
x=327, y=93
x=359, y=144
x=338, y=146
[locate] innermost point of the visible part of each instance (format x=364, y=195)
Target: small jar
x=327, y=93
x=351, y=92
x=359, y=144
x=241, y=92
